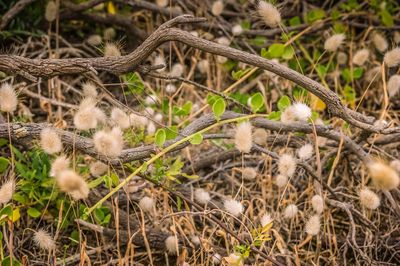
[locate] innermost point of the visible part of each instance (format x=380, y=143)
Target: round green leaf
x=33, y=212
x=197, y=139
x=218, y=108
x=160, y=137
x=256, y=102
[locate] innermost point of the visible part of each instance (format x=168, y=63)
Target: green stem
x=163, y=152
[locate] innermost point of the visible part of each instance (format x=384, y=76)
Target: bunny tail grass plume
x=146, y=204
x=51, y=11
x=360, y=57
x=159, y=60
x=60, y=164
x=109, y=34
x=317, y=203
x=290, y=211
x=341, y=58
x=177, y=70
x=171, y=244
x=7, y=191
x=393, y=85
x=217, y=8
x=98, y=169
x=109, y=143
x=243, y=137
x=379, y=42
x=395, y=164
x=8, y=98
x=334, y=42
x=269, y=14
x=302, y=111
x=383, y=176
x=281, y=181
x=233, y=260
x=111, y=50
x=392, y=58
x=203, y=66
x=50, y=141
x=287, y=165
x=70, y=182
x=369, y=199
x=305, y=152
x=120, y=118
x=249, y=173
x=94, y=40
x=260, y=136
x=88, y=115
x=266, y=219
x=44, y=240
x=313, y=225
x=170, y=88
x=89, y=90
x=288, y=115
x=234, y=207
x=202, y=196
x=237, y=30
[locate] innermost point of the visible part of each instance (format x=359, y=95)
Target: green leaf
x=33, y=212
x=171, y=132
x=294, y=21
x=4, y=162
x=358, y=72
x=276, y=50
x=275, y=115
x=283, y=103
x=7, y=262
x=160, y=137
x=256, y=102
x=386, y=18
x=197, y=139
x=349, y=94
x=314, y=15
x=264, y=53
x=288, y=53
x=7, y=210
x=218, y=108
x=98, y=214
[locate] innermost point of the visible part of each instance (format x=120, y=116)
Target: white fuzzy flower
x=151, y=99
x=237, y=30
x=234, y=207
x=249, y=173
x=120, y=118
x=160, y=60
x=313, y=225
x=109, y=143
x=281, y=181
x=334, y=42
x=146, y=204
x=305, y=152
x=317, y=202
x=151, y=128
x=202, y=196
x=203, y=66
x=392, y=58
x=50, y=141
x=44, y=240
x=287, y=165
x=379, y=42
x=7, y=191
x=89, y=90
x=383, y=176
x=243, y=137
x=265, y=219
x=109, y=34
x=302, y=111
x=8, y=98
x=290, y=211
x=269, y=14
x=217, y=8
x=171, y=244
x=223, y=41
x=170, y=88
x=60, y=164
x=111, y=50
x=360, y=57
x=260, y=136
x=94, y=40
x=393, y=85
x=98, y=168
x=177, y=70
x=369, y=199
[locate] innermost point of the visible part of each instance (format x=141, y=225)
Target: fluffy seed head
x=177, y=70
x=334, y=42
x=216, y=259
x=7, y=191
x=369, y=199
x=60, y=164
x=341, y=58
x=68, y=181
x=269, y=14
x=281, y=181
x=249, y=173
x=120, y=118
x=8, y=98
x=313, y=225
x=109, y=34
x=98, y=168
x=81, y=193
x=237, y=30
x=88, y=115
x=260, y=136
x=383, y=176
x=151, y=100
x=290, y=211
x=288, y=115
x=221, y=59
x=151, y=128
x=305, y=152
x=51, y=11
x=146, y=204
x=379, y=42
x=396, y=37
x=162, y=3
x=170, y=88
x=111, y=50
x=137, y=121
x=158, y=117
x=302, y=111
x=243, y=137
x=217, y=8
x=202, y=196
x=109, y=143
x=234, y=207
x=94, y=40
x=265, y=219
x=317, y=202
x=392, y=58
x=203, y=66
x=223, y=41
x=360, y=57
x=372, y=75
x=50, y=141
x=43, y=240
x=287, y=165
x=233, y=260
x=171, y=244
x=89, y=90
x=393, y=85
